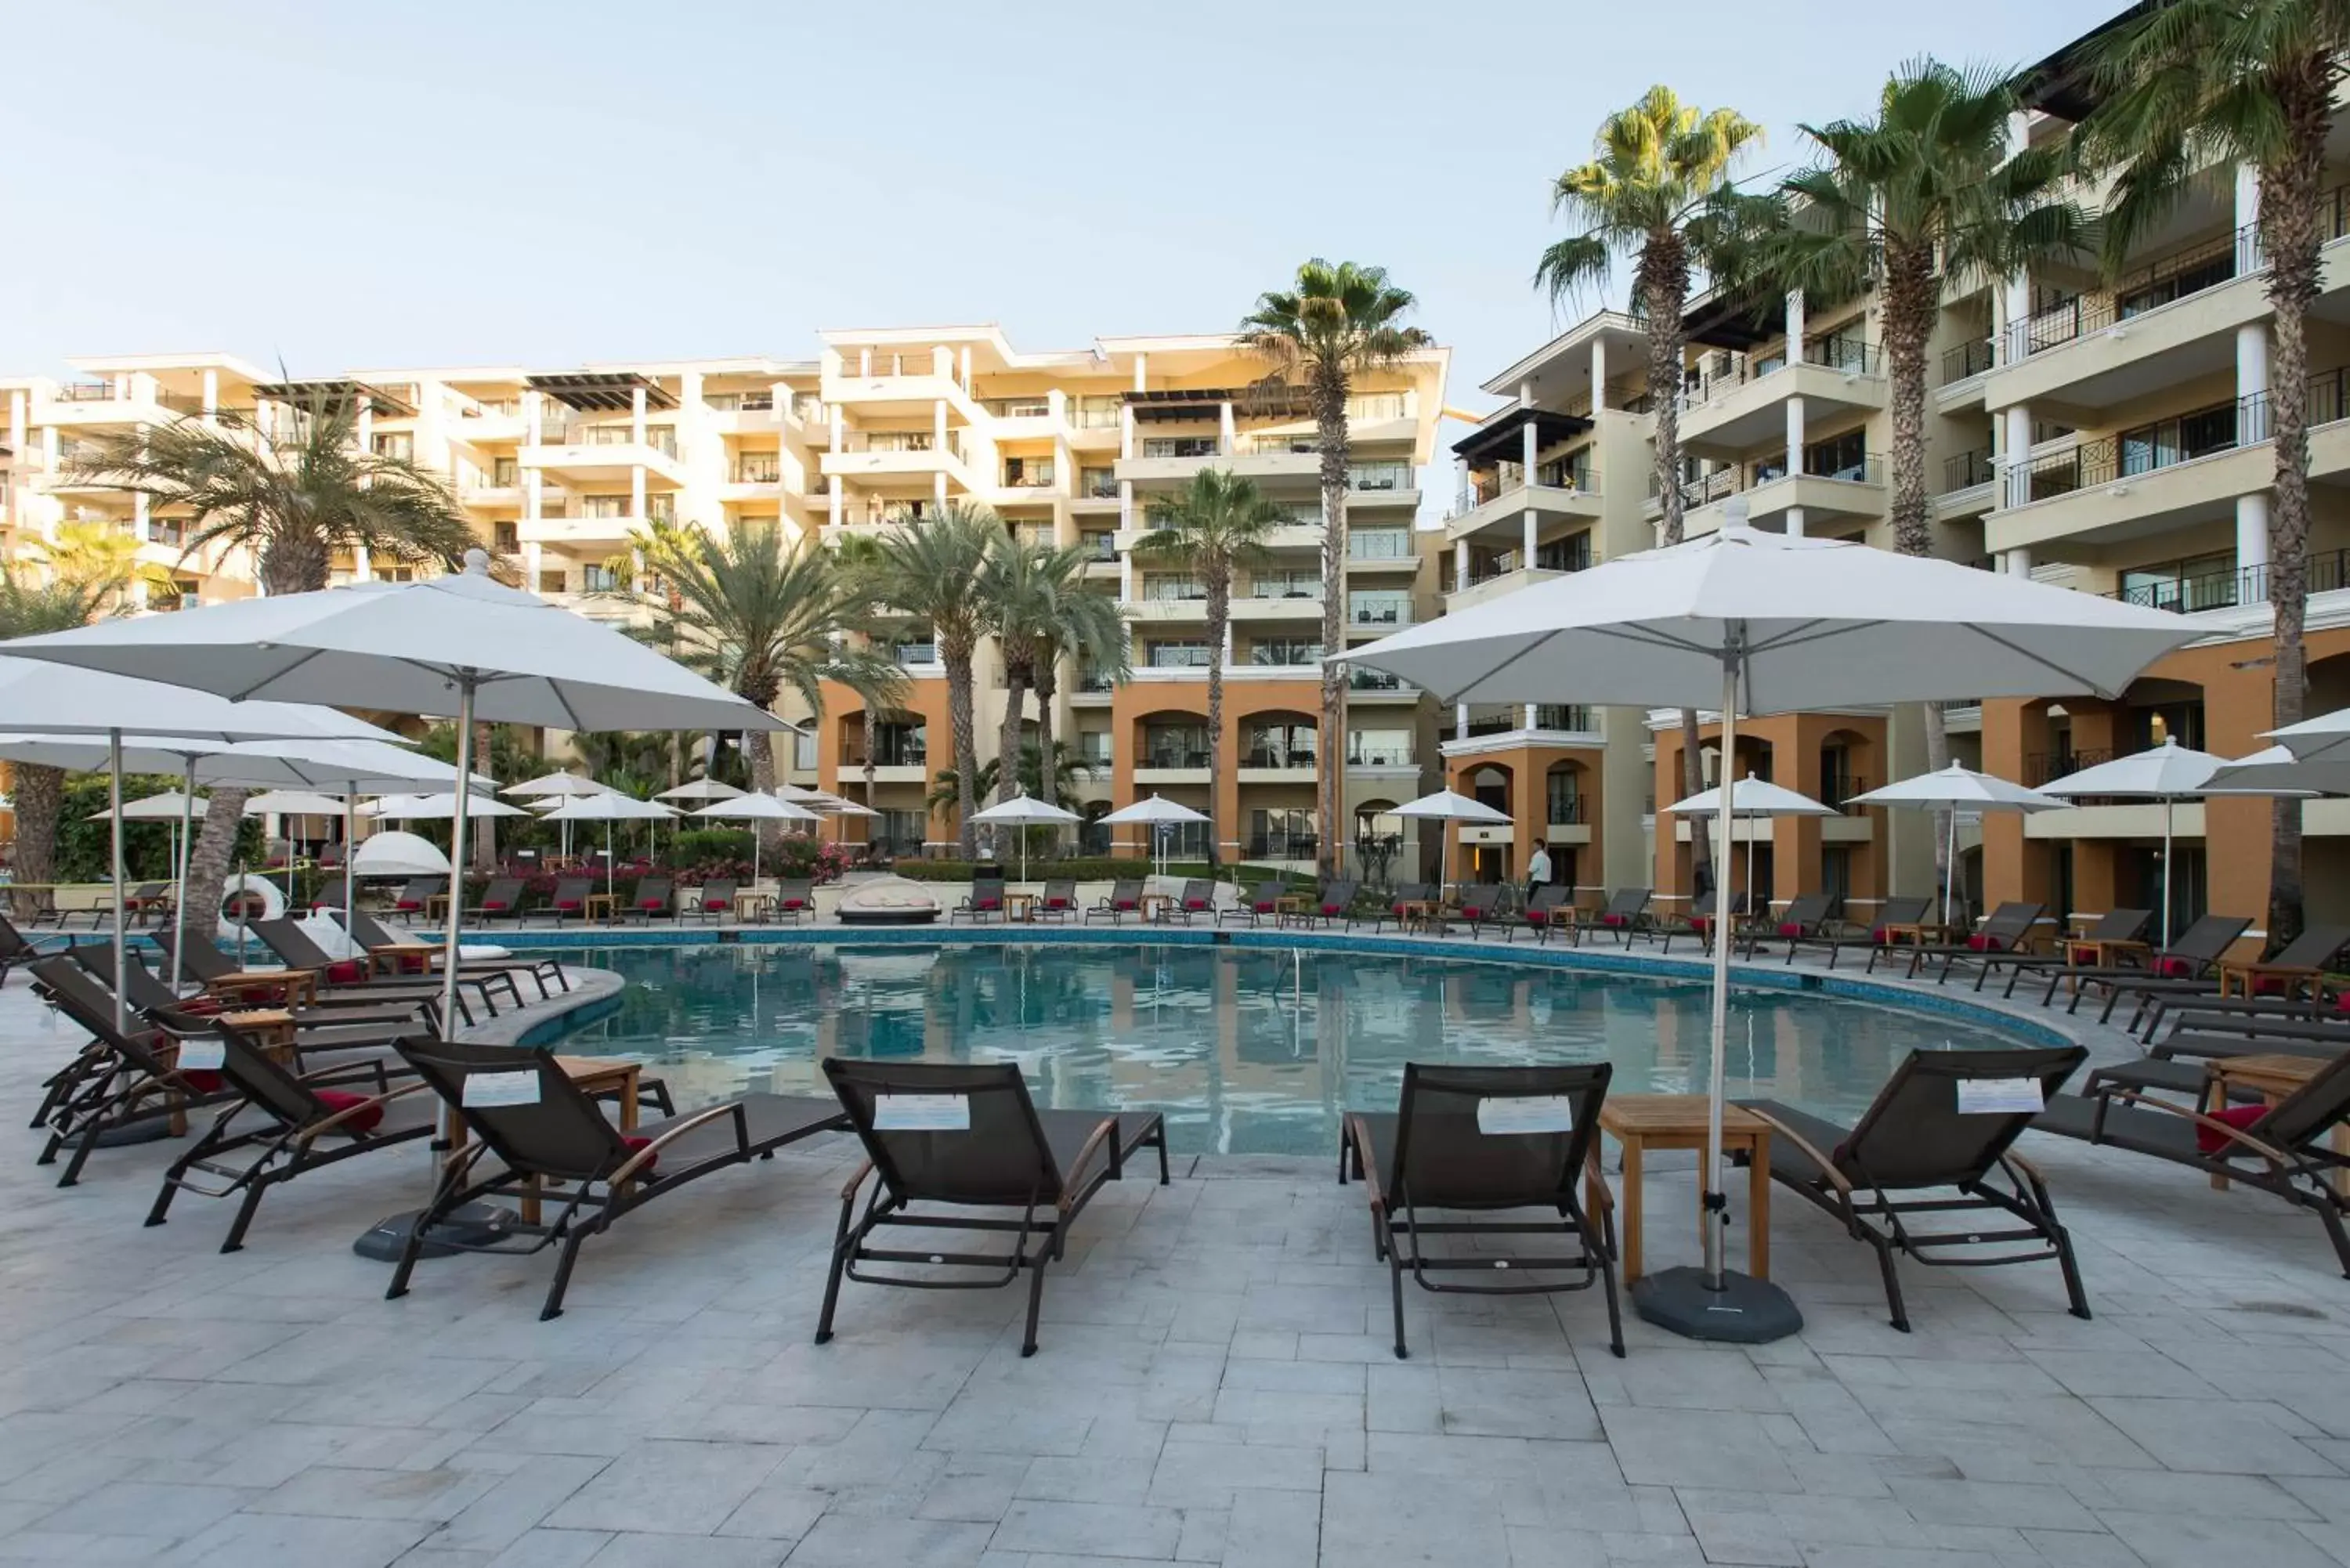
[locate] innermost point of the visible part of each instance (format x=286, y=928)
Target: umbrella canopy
x=37, y=697
x=1023, y=808
x=1154, y=809
x=399, y=855
x=2325, y=739
x=610, y=807
x=1750, y=797
x=758, y=807
x=1744, y=622
x=557, y=786
x=438, y=807
x=169, y=807
x=701, y=789
x=1451, y=808
x=1959, y=785
x=293, y=803
x=2276, y=770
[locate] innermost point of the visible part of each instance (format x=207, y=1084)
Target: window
x=1571, y=554
x=1367, y=406
x=758, y=468
x=2196, y=583
x=395, y=573
x=1093, y=746
x=1093, y=413
x=1379, y=544
x=1842, y=456
x=599, y=580
x=899, y=744
x=804, y=752
x=1379, y=748
x=1283, y=652
x=604, y=506
x=1175, y=746
x=1279, y=745
x=1176, y=655
x=398, y=446
x=505, y=537
x=505, y=473
x=1179, y=446
x=1379, y=607
x=1097, y=483
x=1563, y=795
x=1099, y=546
x=1160, y=589
x=554, y=583
x=1028, y=473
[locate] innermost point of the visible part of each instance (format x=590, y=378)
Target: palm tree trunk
x=1911, y=298
x=1329, y=392
x=965, y=725
x=1220, y=620
x=758, y=745
x=1007, y=738
x=872, y=744
x=1663, y=285
x=485, y=828
x=1048, y=686
x=40, y=801
x=2289, y=229
x=208, y=862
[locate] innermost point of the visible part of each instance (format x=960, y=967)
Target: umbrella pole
x=2165, y=873
x=1950, y=862
x=350, y=832
x=456, y=868
x=114, y=829
x=1717, y=1216
x=180, y=870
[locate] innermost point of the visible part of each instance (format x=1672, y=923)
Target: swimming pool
x=1245, y=1050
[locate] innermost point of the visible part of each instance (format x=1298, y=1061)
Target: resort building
x=559, y=468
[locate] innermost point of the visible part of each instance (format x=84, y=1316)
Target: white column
x=1227, y=437
x=1794, y=423
x=2017, y=454
x=839, y=501
x=1526, y=717
x=141, y=528
x=122, y=386
x=534, y=418
x=939, y=487
x=865, y=362
x=2254, y=422
x=1460, y=565
x=2018, y=561
x=1142, y=372
x=939, y=425
x=966, y=367
x=636, y=490
x=2248, y=202
x=362, y=567
x=1227, y=645
x=2253, y=541
x=17, y=420
x=1126, y=504
x=1795, y=323
x=1528, y=544
x=637, y=416
x=1125, y=577
x=212, y=397
x=1125, y=430
x=531, y=556
x=366, y=425
x=1598, y=375
x=943, y=363
x=1460, y=721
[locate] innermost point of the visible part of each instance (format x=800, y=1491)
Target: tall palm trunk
x=1912, y=294
x=1329, y=394
x=1662, y=286
x=485, y=828
x=965, y=724
x=758, y=747
x=872, y=744
x=1048, y=687
x=1219, y=575
x=40, y=796
x=2289, y=232
x=1007, y=738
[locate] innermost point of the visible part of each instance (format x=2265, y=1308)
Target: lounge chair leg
x=1395, y=1287
x=81, y=1155
x=156, y=1215
x=840, y=1249
x=1892, y=1283
x=1036, y=1295
x=235, y=1240
x=554, y=1307
x=410, y=1252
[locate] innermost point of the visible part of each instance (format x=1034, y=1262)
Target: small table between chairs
x=2243, y=978
x=1156, y=908
x=2274, y=1078
x=300, y=985
x=1019, y=907
x=1644, y=1122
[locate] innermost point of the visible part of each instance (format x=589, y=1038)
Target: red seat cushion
x=495, y=906
x=204, y=1080
x=343, y=1100
x=2269, y=985
x=636, y=1142
x=1332, y=909
x=652, y=903
x=1702, y=923
x=1984, y=942
x=345, y=971
x=1613, y=919
x=1122, y=903
x=414, y=964
x=408, y=906
x=708, y=906
x=1049, y=903
x=2174, y=968
x=1876, y=935
x=2241, y=1117
x=2342, y=1002
x=1791, y=928
x=1195, y=903
x=1472, y=913
x=1537, y=917
x=987, y=902
x=802, y=903
x=568, y=906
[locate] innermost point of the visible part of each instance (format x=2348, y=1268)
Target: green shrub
x=82, y=845
x=1091, y=868
x=697, y=845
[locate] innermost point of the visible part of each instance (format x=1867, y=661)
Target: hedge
x=1094, y=869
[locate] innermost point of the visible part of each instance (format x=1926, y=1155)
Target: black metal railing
x=1094, y=680
x=1967, y=470
x=2324, y=572
x=1971, y=357
x=1572, y=811
x=2042, y=767
x=1374, y=681
x=1837, y=790
x=1573, y=716
x=1380, y=757
x=1174, y=757
x=1284, y=845
x=2157, y=284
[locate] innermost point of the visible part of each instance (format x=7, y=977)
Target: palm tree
x=935, y=571
x=1649, y=192
x=946, y=785
x=1922, y=198
x=1218, y=525
x=1337, y=322
x=760, y=614
x=1080, y=623
x=291, y=496
x=860, y=557
x=84, y=552
x=29, y=606
x=1020, y=605
x=2191, y=88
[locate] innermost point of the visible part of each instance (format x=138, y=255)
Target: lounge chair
x=1124, y=899
x=17, y=948
x=285, y=1124
x=347, y=978
x=558, y=1136
x=1475, y=910
x=1335, y=902
x=1487, y=1140
x=414, y=897
x=712, y=901
x=330, y=894
x=1254, y=905
x=501, y=900
x=2005, y=931
x=124, y=1078
x=1699, y=920
x=1058, y=901
x=1835, y=935
x=1802, y=920
x=794, y=900
x=1552, y=909
x=2113, y=925
x=2285, y=1151
x=315, y=1028
x=2299, y=963
x=570, y=898
x=1197, y=896
x=371, y=933
x=1919, y=1134
x=2182, y=969
x=1626, y=913
x=1404, y=894
x=653, y=895
x=149, y=901
x=982, y=1144
x=985, y=901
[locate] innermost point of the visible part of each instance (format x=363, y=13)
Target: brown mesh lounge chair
x=1698, y=921
x=316, y=1028
x=2182, y=969
x=1839, y=934
x=371, y=933
x=285, y=1124
x=1802, y=920
x=654, y=897
x=1333, y=904
x=1198, y=897
x=149, y=901
x=2299, y=963
x=120, y=1081
x=329, y=896
x=1476, y=909
x=1254, y=905
x=1920, y=1136
x=2113, y=925
x=1124, y=899
x=2285, y=1151
x=983, y=902
x=501, y=900
x=200, y=960
x=348, y=977
x=985, y=1145
x=412, y=897
x=17, y=948
x=796, y=900
x=1626, y=913
x=712, y=901
x=2005, y=931
x=1551, y=909
x=1058, y=901
x=1391, y=913
x=570, y=898
x=559, y=1142
x=1487, y=1141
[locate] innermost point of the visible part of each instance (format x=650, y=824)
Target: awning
x=2061, y=84
x=337, y=395
x=1501, y=437
x=603, y=392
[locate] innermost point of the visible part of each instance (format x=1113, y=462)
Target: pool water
x=1246, y=1051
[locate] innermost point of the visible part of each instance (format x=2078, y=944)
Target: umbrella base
x=152, y=1130
x=474, y=1226
x=1744, y=1311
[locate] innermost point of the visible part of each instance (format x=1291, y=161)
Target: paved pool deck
x=1215, y=1386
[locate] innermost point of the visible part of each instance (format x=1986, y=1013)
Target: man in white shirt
x=1538, y=872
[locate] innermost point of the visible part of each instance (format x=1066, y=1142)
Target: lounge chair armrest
x=1596, y=1177
x=855, y=1180
x=651, y=1150
x=1358, y=1133
x=2030, y=1170
x=348, y=1111
x=1105, y=1131
x=1804, y=1147
x=2210, y=1124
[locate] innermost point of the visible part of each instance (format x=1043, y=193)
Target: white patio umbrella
x=438, y=807
x=548, y=788
x=1952, y=789
x=1156, y=812
x=168, y=806
x=39, y=700
x=1750, y=797
x=608, y=809
x=1024, y=810
x=293, y=803
x=1745, y=623
x=752, y=807
x=1446, y=806
x=2325, y=739
x=461, y=647
x=2168, y=773
x=703, y=789
x=2275, y=770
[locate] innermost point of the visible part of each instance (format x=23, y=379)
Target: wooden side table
x=2274, y=1078
x=388, y=957
x=608, y=903
x=1916, y=934
x=271, y=1029
x=1644, y=1122
x=300, y=985
x=1019, y=907
x=1154, y=906
x=751, y=903
x=1292, y=908
x=2082, y=953
x=594, y=1076
x=2243, y=979
x=1420, y=914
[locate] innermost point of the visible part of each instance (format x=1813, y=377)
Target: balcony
x=1967, y=489
x=609, y=455
x=1502, y=500
x=609, y=531
x=919, y=657
x=1847, y=490
x=1963, y=367
x=1740, y=404
x=1092, y=688
x=1378, y=686
x=1378, y=613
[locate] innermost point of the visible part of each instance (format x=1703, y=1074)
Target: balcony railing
x=909, y=654
x=1284, y=656
x=2044, y=767
x=1382, y=476
x=2157, y=284
x=1097, y=484
x=1279, y=757
x=1175, y=757
x=1178, y=658
x=1381, y=757
x=1284, y=845
x=1095, y=681
x=1576, y=716
x=1718, y=372
x=758, y=470
x=1180, y=446
x=1967, y=470
x=1571, y=811
x=1379, y=545
x=1837, y=789
x=1289, y=589
x=1971, y=357
x=2325, y=571
x=85, y=392
x=1384, y=613
x=1375, y=680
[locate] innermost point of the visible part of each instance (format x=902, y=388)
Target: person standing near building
x=1538, y=872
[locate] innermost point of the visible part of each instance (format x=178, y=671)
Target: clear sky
x=335, y=184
